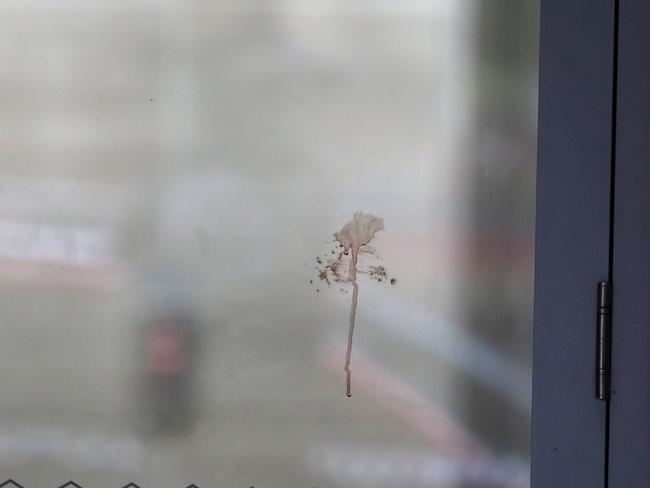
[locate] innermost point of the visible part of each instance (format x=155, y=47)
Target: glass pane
x=197, y=200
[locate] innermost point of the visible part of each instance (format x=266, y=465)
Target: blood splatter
x=351, y=244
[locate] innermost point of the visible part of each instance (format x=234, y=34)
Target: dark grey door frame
x=577, y=39
x=629, y=447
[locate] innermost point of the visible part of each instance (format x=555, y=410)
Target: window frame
x=572, y=248
x=629, y=421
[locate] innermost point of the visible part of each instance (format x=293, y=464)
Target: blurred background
x=172, y=169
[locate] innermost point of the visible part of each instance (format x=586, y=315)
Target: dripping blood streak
x=353, y=314
x=355, y=234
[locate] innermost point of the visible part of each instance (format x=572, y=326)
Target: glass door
x=270, y=244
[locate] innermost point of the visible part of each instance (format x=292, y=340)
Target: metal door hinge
x=604, y=331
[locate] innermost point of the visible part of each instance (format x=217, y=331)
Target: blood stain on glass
x=351, y=244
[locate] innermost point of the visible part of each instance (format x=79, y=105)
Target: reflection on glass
x=173, y=176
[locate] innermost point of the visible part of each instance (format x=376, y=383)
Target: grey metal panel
x=572, y=240
x=629, y=451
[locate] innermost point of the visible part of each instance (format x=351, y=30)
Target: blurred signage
x=44, y=253
x=69, y=245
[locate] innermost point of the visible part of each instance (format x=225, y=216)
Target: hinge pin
x=604, y=331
